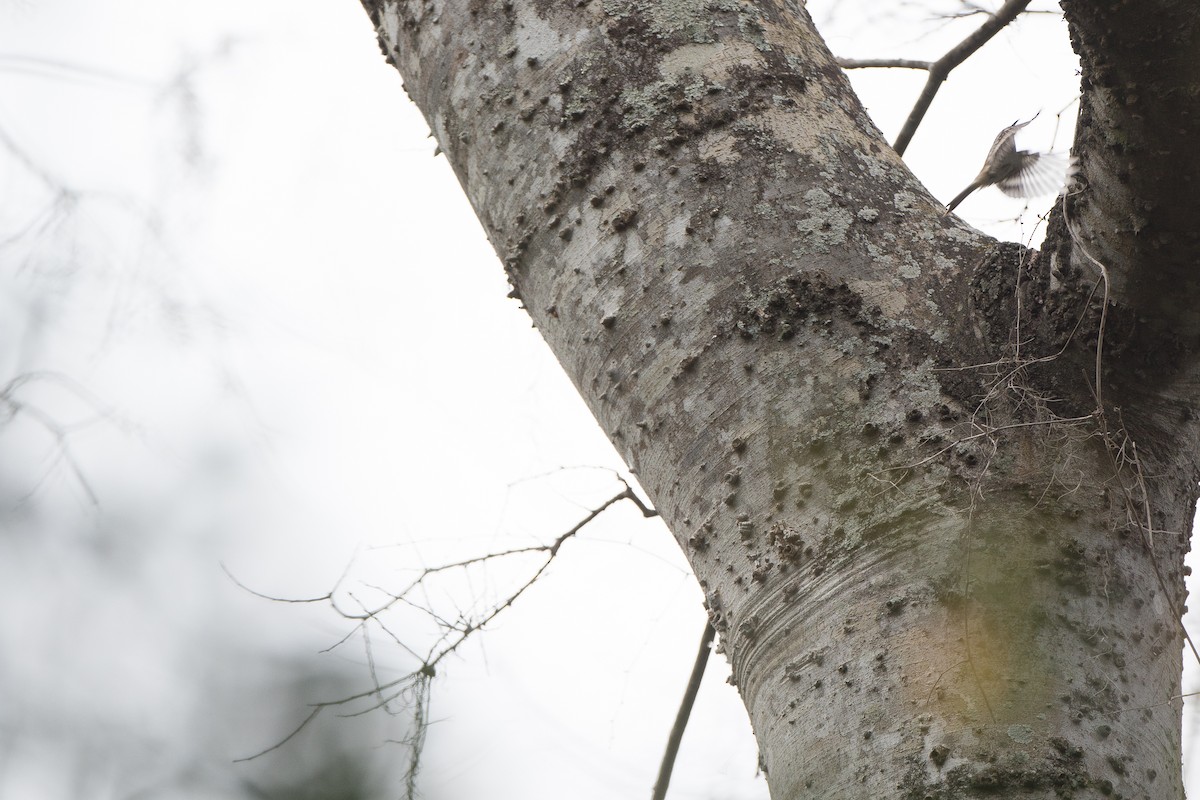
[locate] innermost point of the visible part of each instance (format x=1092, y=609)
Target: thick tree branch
x=762, y=307
x=941, y=68
x=1139, y=123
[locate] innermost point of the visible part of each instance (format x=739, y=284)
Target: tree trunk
x=939, y=567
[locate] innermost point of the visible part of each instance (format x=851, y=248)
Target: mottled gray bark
x=936, y=568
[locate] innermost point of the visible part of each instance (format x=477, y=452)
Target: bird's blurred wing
x=1041, y=173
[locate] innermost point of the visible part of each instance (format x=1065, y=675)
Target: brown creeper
x=1017, y=173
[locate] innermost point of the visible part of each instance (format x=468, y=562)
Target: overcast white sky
x=260, y=315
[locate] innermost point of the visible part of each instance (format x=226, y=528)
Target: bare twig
x=414, y=686
x=941, y=68
x=685, y=711
x=312, y=715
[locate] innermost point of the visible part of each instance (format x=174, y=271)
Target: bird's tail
x=958, y=198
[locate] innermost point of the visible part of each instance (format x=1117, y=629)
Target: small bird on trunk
x=1017, y=173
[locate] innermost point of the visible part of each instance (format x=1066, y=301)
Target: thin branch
x=630, y=495
x=328, y=595
x=972, y=10
x=1099, y=388
x=40, y=67
x=415, y=685
x=416, y=742
x=32, y=166
x=941, y=68
x=63, y=453
x=286, y=739
x=883, y=63
x=685, y=711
